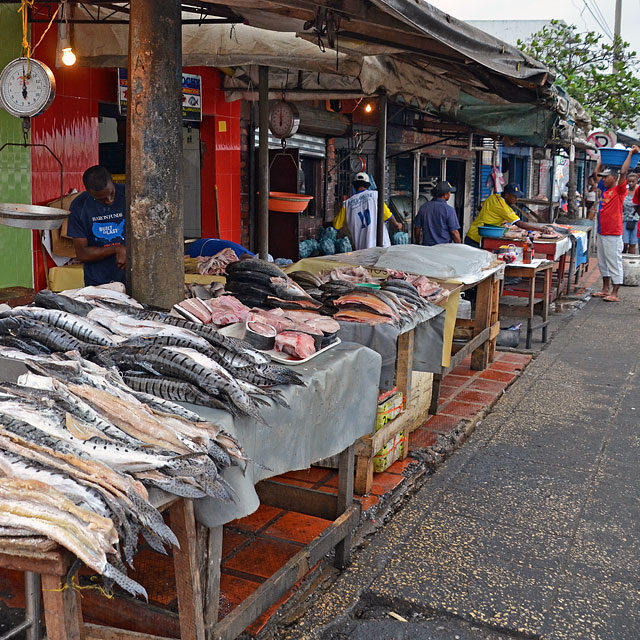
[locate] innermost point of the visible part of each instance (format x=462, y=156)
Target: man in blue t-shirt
x=96, y=224
x=437, y=221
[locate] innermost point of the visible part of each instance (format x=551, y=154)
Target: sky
x=571, y=11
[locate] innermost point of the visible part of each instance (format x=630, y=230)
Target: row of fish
x=156, y=352
x=257, y=283
x=79, y=450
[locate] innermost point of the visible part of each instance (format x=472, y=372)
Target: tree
x=601, y=76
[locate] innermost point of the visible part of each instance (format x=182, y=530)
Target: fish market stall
x=453, y=265
x=111, y=401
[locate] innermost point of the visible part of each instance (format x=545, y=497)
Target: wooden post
x=155, y=225
x=187, y=571
x=481, y=321
x=382, y=164
x=404, y=365
x=345, y=500
x=263, y=162
x=63, y=616
x=211, y=575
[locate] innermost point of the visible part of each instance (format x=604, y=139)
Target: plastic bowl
x=288, y=202
x=489, y=231
x=616, y=157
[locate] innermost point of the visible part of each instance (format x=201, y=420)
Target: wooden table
x=530, y=272
x=480, y=332
x=197, y=566
x=542, y=248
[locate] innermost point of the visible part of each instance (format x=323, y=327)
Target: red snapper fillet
x=300, y=345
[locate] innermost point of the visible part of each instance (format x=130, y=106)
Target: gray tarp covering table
x=383, y=338
x=336, y=407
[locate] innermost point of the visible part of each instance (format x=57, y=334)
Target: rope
x=24, y=9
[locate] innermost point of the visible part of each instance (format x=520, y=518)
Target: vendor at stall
x=96, y=224
x=497, y=210
x=360, y=212
x=437, y=221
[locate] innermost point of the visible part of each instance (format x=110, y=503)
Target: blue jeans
x=629, y=236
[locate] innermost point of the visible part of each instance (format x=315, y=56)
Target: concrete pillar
x=155, y=226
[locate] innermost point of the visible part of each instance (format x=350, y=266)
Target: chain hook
x=26, y=128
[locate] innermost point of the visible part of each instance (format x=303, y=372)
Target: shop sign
x=191, y=95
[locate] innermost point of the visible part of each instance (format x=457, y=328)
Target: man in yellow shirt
x=496, y=210
x=360, y=213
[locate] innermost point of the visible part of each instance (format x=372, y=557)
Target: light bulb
x=368, y=108
x=68, y=57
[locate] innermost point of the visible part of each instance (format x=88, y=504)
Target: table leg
x=364, y=474
x=187, y=572
x=572, y=263
x=210, y=550
x=33, y=604
x=63, y=616
x=494, y=315
x=545, y=302
x=532, y=306
x=435, y=393
x=562, y=267
x=481, y=321
x=404, y=365
x=345, y=500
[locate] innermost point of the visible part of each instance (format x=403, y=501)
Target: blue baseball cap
x=512, y=187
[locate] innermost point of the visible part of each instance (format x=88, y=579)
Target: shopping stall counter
x=556, y=251
x=336, y=406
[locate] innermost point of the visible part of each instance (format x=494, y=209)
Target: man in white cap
x=360, y=212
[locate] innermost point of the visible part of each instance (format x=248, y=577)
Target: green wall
x=15, y=168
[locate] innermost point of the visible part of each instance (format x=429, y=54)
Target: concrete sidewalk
x=532, y=529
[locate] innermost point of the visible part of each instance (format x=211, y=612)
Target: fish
x=306, y=279
x=360, y=315
x=53, y=338
x=90, y=294
x=255, y=264
x=299, y=345
x=368, y=302
x=50, y=300
x=174, y=389
x=216, y=264
x=298, y=303
x=33, y=347
x=77, y=326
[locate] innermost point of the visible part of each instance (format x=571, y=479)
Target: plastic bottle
x=527, y=252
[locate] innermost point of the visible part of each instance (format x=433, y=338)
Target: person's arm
x=533, y=226
x=627, y=163
x=389, y=216
x=417, y=230
x=85, y=253
x=455, y=236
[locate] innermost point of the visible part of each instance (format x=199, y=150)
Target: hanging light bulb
x=368, y=108
x=68, y=57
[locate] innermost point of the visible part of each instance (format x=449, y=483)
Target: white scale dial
x=284, y=119
x=27, y=87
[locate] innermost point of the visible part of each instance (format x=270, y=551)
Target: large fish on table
x=359, y=300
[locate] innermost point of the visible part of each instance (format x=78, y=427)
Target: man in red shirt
x=610, y=243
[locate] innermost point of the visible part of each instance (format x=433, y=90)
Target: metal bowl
x=31, y=216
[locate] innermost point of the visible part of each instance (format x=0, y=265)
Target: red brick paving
x=462, y=409
x=297, y=527
x=501, y=376
x=257, y=519
x=489, y=385
x=455, y=381
x=479, y=397
x=263, y=558
x=422, y=438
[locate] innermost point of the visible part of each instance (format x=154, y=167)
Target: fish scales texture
x=53, y=338
x=257, y=265
x=77, y=326
x=50, y=300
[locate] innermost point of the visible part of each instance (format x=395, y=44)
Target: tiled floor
x=464, y=393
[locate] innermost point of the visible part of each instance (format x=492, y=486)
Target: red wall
x=70, y=128
x=219, y=131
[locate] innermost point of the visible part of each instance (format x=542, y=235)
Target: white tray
x=237, y=331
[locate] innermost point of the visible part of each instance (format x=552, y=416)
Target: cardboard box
x=61, y=243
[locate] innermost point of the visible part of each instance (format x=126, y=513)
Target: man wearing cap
x=437, y=221
x=496, y=210
x=610, y=244
x=360, y=212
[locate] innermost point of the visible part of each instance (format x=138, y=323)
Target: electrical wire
x=603, y=26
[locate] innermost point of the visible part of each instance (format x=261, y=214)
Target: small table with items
x=530, y=271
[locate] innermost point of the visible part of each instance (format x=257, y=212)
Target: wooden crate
x=415, y=413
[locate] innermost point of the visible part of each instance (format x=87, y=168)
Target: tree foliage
x=602, y=76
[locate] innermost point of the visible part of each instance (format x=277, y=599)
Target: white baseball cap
x=362, y=177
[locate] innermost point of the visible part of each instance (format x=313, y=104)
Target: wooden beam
x=63, y=617
x=289, y=497
x=97, y=632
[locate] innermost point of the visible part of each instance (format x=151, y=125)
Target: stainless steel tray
x=31, y=216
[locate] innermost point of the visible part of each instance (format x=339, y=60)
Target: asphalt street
x=532, y=528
